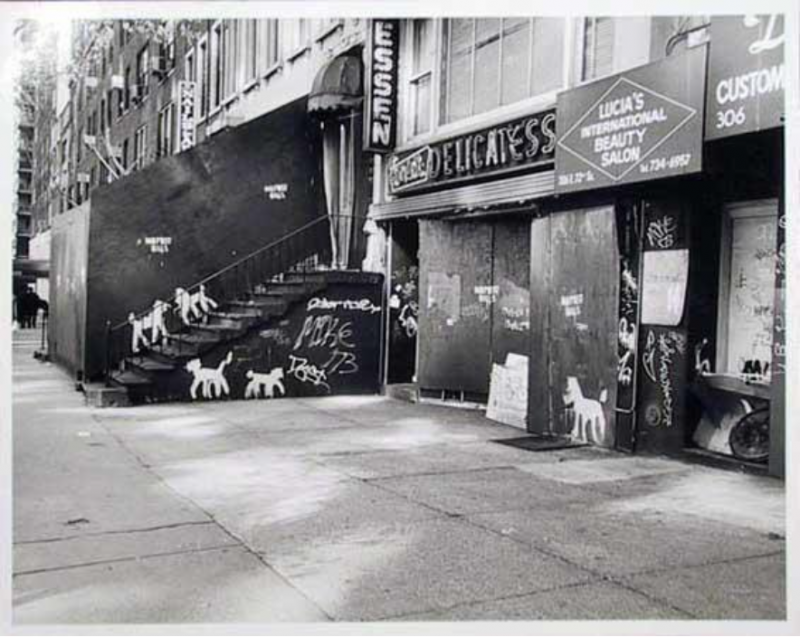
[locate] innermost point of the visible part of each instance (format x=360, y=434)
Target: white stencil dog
x=153, y=321
x=193, y=305
x=211, y=380
x=266, y=383
x=590, y=420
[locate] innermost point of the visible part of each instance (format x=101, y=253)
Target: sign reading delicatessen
x=522, y=143
x=646, y=123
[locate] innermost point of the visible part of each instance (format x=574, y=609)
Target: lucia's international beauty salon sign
x=746, y=74
x=639, y=125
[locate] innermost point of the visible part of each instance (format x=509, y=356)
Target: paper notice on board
x=508, y=391
x=664, y=280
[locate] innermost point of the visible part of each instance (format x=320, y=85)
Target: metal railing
x=302, y=251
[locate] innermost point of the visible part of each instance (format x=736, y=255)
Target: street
x=363, y=509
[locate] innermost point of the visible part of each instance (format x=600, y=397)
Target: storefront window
x=747, y=289
x=491, y=62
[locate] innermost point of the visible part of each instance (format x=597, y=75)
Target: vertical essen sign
x=186, y=123
x=380, y=119
x=746, y=74
x=639, y=125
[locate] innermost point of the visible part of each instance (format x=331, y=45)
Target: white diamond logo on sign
x=624, y=127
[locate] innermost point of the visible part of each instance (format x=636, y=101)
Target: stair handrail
x=238, y=262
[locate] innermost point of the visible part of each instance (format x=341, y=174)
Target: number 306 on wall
x=731, y=117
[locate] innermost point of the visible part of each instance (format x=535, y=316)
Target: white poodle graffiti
x=153, y=321
x=193, y=305
x=211, y=381
x=264, y=383
x=590, y=420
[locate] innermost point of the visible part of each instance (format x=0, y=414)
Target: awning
x=505, y=192
x=338, y=85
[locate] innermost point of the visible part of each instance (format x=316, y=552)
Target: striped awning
x=469, y=199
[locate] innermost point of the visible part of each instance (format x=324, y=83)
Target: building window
x=230, y=55
x=491, y=62
x=166, y=49
x=202, y=76
x=142, y=72
x=125, y=154
x=598, y=47
x=421, y=80
x=747, y=290
x=190, y=70
x=268, y=45
x=127, y=90
x=296, y=36
x=216, y=66
x=140, y=147
x=166, y=131
x=248, y=34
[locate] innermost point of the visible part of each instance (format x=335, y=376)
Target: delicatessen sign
x=746, y=74
x=522, y=143
x=186, y=123
x=639, y=125
x=380, y=120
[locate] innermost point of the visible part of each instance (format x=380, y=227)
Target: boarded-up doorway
x=574, y=306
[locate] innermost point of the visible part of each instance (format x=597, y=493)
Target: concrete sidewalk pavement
x=364, y=508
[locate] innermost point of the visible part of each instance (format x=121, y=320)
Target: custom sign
x=186, y=120
x=380, y=117
x=639, y=125
x=746, y=74
x=521, y=143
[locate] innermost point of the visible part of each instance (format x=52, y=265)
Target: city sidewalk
x=363, y=508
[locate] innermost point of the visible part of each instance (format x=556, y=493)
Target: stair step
x=150, y=364
x=196, y=336
x=221, y=330
x=129, y=378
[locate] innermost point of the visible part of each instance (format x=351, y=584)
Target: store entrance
x=403, y=302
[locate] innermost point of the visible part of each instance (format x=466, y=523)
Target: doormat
x=542, y=443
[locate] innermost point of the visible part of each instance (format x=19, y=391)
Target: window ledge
x=302, y=50
x=249, y=86
x=328, y=31
x=229, y=99
x=272, y=70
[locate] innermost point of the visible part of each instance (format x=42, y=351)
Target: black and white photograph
x=399, y=318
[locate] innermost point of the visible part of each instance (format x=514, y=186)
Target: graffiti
x=307, y=372
x=408, y=319
x=701, y=363
x=661, y=233
x=325, y=331
x=487, y=294
x=627, y=344
x=629, y=293
x=572, y=304
x=649, y=356
x=153, y=321
x=668, y=345
x=362, y=305
x=276, y=335
x=589, y=418
x=770, y=39
x=475, y=310
x=264, y=383
x=516, y=319
x=341, y=363
x=193, y=305
x=157, y=245
x=754, y=370
x=210, y=380
x=276, y=191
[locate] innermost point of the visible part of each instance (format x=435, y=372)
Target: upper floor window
x=421, y=79
x=296, y=34
x=140, y=147
x=598, y=47
x=142, y=71
x=216, y=67
x=202, y=76
x=249, y=49
x=491, y=62
x=166, y=49
x=268, y=45
x=166, y=131
x=230, y=56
